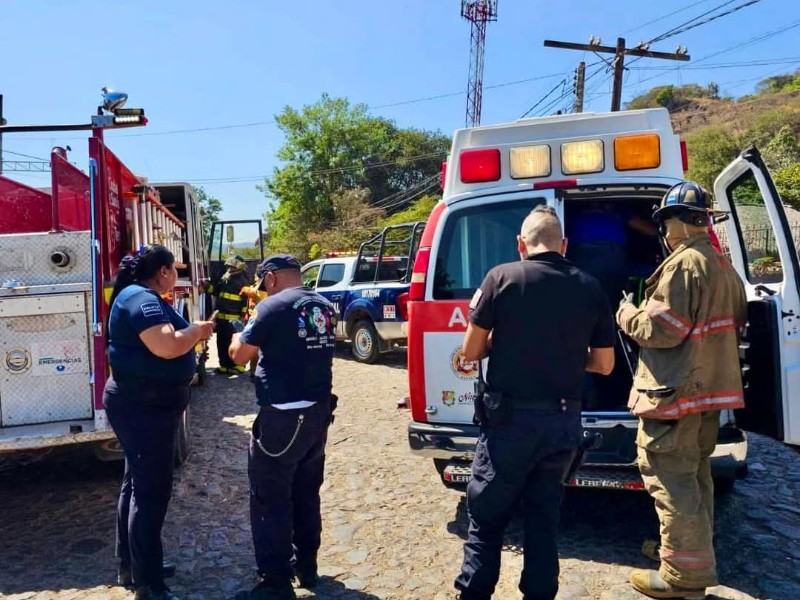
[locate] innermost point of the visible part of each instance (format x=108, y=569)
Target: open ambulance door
x=763, y=253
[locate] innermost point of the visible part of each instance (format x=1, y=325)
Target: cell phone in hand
x=213, y=316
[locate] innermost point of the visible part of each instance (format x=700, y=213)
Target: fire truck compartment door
x=764, y=255
x=46, y=356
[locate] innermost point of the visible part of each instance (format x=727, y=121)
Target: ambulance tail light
x=416, y=291
x=444, y=174
x=632, y=152
x=478, y=166
x=552, y=185
x=684, y=156
x=402, y=306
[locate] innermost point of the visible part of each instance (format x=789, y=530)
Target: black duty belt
x=551, y=405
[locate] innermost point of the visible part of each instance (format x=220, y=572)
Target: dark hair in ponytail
x=141, y=267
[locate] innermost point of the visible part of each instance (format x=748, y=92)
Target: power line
x=693, y=23
x=661, y=18
x=24, y=155
x=543, y=98
x=731, y=65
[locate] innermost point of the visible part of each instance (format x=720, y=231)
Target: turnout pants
x=224, y=332
x=675, y=467
x=286, y=468
x=145, y=418
x=524, y=462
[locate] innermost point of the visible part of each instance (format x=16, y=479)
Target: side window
x=331, y=275
x=310, y=276
x=762, y=258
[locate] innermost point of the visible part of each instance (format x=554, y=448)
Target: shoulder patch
x=151, y=309
x=476, y=297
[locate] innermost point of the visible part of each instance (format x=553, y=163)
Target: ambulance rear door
x=762, y=250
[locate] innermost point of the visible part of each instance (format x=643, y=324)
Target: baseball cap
x=276, y=262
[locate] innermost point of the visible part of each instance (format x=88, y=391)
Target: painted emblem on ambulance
x=462, y=368
x=18, y=361
x=448, y=397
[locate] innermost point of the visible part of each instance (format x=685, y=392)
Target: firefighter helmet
x=235, y=263
x=685, y=196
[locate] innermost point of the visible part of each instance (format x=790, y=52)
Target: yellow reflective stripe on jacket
x=228, y=317
x=229, y=296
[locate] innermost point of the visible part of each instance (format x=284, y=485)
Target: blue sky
x=208, y=64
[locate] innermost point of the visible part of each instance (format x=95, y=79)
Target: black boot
x=125, y=577
x=272, y=590
x=306, y=575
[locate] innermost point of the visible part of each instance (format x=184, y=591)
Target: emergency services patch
x=476, y=297
x=152, y=309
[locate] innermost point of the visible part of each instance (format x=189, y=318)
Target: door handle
x=762, y=289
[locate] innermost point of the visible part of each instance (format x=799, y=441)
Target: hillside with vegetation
x=717, y=128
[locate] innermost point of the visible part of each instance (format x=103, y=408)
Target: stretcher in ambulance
x=595, y=167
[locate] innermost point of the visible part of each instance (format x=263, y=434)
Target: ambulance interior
x=612, y=237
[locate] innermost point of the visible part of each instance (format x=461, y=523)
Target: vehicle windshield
x=474, y=240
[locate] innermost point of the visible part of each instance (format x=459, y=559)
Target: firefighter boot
x=650, y=583
x=147, y=593
x=272, y=590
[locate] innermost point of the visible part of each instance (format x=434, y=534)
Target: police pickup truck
x=370, y=290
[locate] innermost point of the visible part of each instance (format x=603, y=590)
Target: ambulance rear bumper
x=442, y=441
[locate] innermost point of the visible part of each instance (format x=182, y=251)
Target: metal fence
x=758, y=241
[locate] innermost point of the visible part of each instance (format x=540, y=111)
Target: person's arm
x=163, y=341
x=600, y=357
x=241, y=352
x=600, y=360
x=244, y=346
x=478, y=339
x=666, y=319
x=476, y=342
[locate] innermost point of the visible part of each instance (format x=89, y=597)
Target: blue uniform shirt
x=295, y=331
x=596, y=226
x=135, y=309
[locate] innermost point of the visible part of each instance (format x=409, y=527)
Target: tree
x=419, y=210
x=210, y=210
x=354, y=222
x=332, y=146
x=782, y=150
x=787, y=180
x=710, y=151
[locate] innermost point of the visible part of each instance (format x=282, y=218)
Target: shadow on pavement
x=57, y=522
x=609, y=526
x=396, y=359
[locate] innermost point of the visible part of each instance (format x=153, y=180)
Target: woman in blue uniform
x=151, y=352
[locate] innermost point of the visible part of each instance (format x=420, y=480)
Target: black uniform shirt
x=545, y=314
x=296, y=332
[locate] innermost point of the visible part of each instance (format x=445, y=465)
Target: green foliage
x=782, y=150
x=210, y=209
x=673, y=97
x=354, y=221
x=787, y=180
x=788, y=82
x=710, y=151
x=332, y=147
x=419, y=210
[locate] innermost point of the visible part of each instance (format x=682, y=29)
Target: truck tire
x=182, y=448
x=365, y=342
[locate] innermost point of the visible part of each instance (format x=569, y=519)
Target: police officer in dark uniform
x=231, y=307
x=293, y=335
x=151, y=352
x=542, y=322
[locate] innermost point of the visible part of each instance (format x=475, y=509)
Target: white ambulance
x=585, y=165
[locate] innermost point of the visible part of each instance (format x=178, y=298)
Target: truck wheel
x=182, y=439
x=365, y=342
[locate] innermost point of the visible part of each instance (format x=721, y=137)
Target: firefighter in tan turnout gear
x=688, y=329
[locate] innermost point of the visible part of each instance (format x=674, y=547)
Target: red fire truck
x=60, y=248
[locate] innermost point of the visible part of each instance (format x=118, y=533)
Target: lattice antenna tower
x=478, y=13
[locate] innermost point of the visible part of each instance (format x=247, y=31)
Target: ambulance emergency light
x=637, y=152
x=530, y=161
x=477, y=166
x=585, y=156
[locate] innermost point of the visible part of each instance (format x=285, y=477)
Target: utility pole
x=580, y=79
x=619, y=52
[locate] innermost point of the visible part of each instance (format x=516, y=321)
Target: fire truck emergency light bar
x=632, y=152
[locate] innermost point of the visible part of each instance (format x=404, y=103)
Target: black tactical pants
x=286, y=472
x=145, y=418
x=224, y=333
x=523, y=462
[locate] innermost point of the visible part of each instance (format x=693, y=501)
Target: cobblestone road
x=391, y=529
